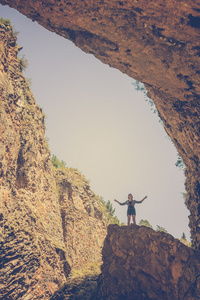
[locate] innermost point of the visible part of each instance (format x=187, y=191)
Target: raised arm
x=120, y=202
x=140, y=200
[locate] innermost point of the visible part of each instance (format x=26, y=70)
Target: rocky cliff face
x=156, y=42
x=41, y=232
x=139, y=263
x=31, y=241
x=83, y=218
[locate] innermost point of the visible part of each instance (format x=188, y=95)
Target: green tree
x=159, y=228
x=145, y=223
x=114, y=220
x=110, y=208
x=179, y=163
x=183, y=236
x=57, y=163
x=102, y=200
x=23, y=63
x=139, y=86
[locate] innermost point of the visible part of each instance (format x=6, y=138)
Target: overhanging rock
x=156, y=42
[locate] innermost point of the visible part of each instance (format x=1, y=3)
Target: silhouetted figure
x=131, y=207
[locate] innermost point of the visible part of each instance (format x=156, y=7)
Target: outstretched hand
x=144, y=198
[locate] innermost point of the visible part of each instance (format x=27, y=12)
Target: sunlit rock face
x=32, y=250
x=156, y=42
x=139, y=263
x=50, y=220
x=83, y=218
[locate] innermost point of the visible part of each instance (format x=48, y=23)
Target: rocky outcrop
x=156, y=42
x=44, y=229
x=139, y=263
x=84, y=218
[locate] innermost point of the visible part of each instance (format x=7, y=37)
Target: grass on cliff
x=78, y=180
x=6, y=22
x=23, y=62
x=74, y=176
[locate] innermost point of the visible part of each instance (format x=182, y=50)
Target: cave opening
x=75, y=120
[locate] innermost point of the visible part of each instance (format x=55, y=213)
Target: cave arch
x=154, y=42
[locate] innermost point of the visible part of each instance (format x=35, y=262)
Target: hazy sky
x=97, y=122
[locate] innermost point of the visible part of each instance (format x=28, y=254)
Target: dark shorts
x=131, y=211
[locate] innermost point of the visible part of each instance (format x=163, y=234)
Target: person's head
x=130, y=197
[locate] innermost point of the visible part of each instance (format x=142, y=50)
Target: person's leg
x=133, y=216
x=129, y=219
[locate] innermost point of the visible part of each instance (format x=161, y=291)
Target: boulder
x=140, y=263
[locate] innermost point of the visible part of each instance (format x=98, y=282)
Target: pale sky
x=97, y=122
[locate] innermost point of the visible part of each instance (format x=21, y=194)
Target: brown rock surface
x=139, y=263
x=83, y=218
x=44, y=229
x=154, y=41
x=32, y=248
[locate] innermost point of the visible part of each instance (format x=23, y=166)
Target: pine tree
x=183, y=236
x=109, y=208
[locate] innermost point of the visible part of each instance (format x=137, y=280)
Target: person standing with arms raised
x=131, y=207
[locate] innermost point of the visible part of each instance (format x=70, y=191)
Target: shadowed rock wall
x=156, y=42
x=139, y=263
